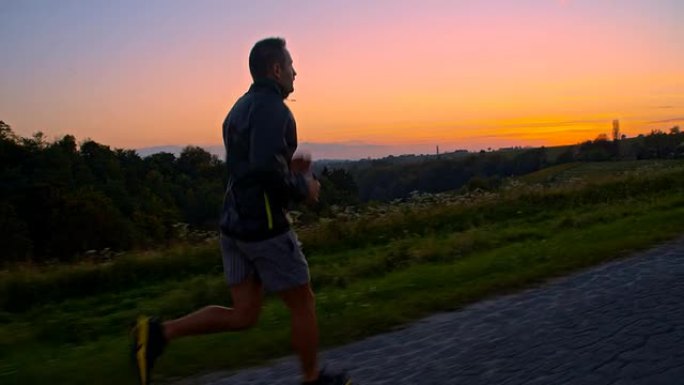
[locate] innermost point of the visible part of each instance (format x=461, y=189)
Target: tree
x=616, y=130
x=87, y=219
x=599, y=150
x=196, y=161
x=12, y=154
x=35, y=143
x=102, y=161
x=529, y=161
x=163, y=162
x=6, y=133
x=15, y=241
x=338, y=188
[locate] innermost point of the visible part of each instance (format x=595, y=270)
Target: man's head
x=270, y=59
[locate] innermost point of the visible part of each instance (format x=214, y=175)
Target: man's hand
x=301, y=164
x=314, y=190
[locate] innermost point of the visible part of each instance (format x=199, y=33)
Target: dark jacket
x=260, y=136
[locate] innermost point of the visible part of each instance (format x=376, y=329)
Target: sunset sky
x=408, y=75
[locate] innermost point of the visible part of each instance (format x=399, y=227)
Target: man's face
x=285, y=75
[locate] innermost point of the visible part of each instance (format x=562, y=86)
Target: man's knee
x=246, y=317
x=300, y=298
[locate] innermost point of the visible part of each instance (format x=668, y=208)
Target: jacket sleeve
x=271, y=149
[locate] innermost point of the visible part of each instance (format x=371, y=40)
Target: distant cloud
x=535, y=135
x=671, y=120
x=359, y=150
x=146, y=151
x=351, y=150
x=555, y=124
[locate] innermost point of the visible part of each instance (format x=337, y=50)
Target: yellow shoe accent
x=143, y=330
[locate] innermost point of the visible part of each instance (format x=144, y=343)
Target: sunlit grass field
x=69, y=324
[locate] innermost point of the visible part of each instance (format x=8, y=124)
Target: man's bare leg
x=300, y=301
x=247, y=300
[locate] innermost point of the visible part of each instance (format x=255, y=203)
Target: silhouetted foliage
x=337, y=188
x=382, y=180
x=60, y=199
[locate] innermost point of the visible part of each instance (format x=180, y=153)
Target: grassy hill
x=372, y=272
x=596, y=170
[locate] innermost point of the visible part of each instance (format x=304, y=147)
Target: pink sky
x=459, y=74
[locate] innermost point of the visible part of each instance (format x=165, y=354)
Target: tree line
x=60, y=199
x=395, y=177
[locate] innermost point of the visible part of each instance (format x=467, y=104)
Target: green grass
x=595, y=170
x=424, y=261
x=23, y=288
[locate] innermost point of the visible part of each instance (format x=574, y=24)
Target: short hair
x=264, y=54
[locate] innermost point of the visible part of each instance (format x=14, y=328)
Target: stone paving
x=619, y=323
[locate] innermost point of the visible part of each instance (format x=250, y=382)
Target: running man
x=260, y=251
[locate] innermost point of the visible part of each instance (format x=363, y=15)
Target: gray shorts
x=277, y=262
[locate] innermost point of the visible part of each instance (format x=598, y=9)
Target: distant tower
x=616, y=130
x=437, y=149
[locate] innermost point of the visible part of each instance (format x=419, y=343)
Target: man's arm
x=269, y=153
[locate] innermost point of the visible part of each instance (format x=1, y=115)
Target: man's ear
x=277, y=70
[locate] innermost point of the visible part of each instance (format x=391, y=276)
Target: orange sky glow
x=458, y=74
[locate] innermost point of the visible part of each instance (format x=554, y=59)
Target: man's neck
x=270, y=82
